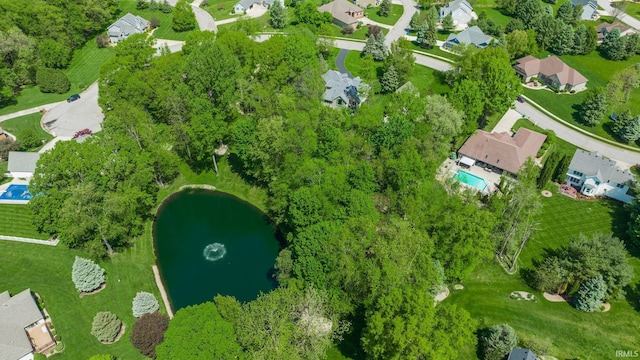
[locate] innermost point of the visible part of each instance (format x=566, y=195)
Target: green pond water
x=210, y=243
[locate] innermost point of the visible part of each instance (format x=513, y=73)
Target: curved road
x=624, y=17
x=399, y=29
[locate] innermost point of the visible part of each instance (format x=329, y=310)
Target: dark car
x=520, y=99
x=73, y=97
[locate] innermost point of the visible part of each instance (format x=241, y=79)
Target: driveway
x=630, y=20
x=68, y=118
x=400, y=28
x=625, y=158
x=174, y=45
x=340, y=62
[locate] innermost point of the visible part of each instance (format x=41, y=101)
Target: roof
x=550, y=66
x=340, y=9
x=522, y=354
x=127, y=25
x=472, y=35
x=605, y=28
x=16, y=313
x=338, y=85
x=455, y=5
x=592, y=164
x=589, y=8
x=246, y=3
x=20, y=161
x=502, y=150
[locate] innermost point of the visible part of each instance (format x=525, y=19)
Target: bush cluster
x=52, y=80
x=144, y=303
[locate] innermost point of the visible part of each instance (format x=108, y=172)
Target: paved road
x=340, y=62
x=625, y=158
x=399, y=29
x=630, y=20
x=204, y=19
x=174, y=45
x=68, y=118
x=32, y=110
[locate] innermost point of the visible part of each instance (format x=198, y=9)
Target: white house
x=126, y=26
x=595, y=175
x=22, y=164
x=243, y=5
x=461, y=12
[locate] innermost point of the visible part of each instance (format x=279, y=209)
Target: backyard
x=32, y=121
x=220, y=9
x=394, y=15
x=486, y=293
x=16, y=221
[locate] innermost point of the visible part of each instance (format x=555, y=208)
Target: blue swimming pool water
x=16, y=192
x=471, y=180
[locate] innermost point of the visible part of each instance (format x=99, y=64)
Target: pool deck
x=450, y=168
x=4, y=187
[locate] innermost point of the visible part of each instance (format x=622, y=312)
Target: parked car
x=520, y=99
x=73, y=97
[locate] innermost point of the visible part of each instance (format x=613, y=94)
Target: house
x=22, y=164
x=551, y=71
x=501, y=150
x=461, y=12
x=126, y=26
x=470, y=36
x=521, y=354
x=605, y=28
x=244, y=5
x=589, y=9
x=341, y=90
x=22, y=327
x=595, y=175
x=344, y=12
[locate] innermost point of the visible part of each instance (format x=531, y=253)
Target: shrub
x=153, y=5
x=82, y=132
x=29, y=139
x=204, y=3
x=52, y=80
x=86, y=275
x=183, y=17
x=154, y=22
x=144, y=303
x=165, y=7
x=148, y=332
x=142, y=4
x=347, y=30
x=102, y=357
x=106, y=326
x=590, y=294
x=497, y=342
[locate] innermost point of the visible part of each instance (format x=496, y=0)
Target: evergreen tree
x=631, y=131
x=590, y=295
x=390, y=80
x=620, y=122
x=565, y=12
x=593, y=107
x=278, y=17
x=514, y=24
x=153, y=5
x=426, y=36
x=86, y=275
x=614, y=46
x=144, y=303
x=385, y=8
x=632, y=47
x=432, y=17
x=498, y=341
x=548, y=10
x=447, y=23
x=375, y=47
x=415, y=20
x=106, y=326
x=580, y=40
x=563, y=42
x=560, y=174
x=592, y=40
x=547, y=171
x=530, y=12
x=577, y=14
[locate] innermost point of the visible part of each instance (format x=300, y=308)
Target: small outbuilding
x=22, y=164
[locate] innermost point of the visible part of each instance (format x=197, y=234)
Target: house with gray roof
x=22, y=327
x=22, y=164
x=470, y=36
x=522, y=354
x=595, y=175
x=341, y=90
x=126, y=26
x=243, y=5
x=589, y=9
x=461, y=13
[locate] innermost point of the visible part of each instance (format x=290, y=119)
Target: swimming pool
x=16, y=192
x=471, y=180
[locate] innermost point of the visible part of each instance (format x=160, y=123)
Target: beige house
x=605, y=28
x=551, y=71
x=344, y=13
x=501, y=151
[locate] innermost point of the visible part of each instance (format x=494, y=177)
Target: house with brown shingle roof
x=501, y=150
x=344, y=12
x=551, y=71
x=605, y=28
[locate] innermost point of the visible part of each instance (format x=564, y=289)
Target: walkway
x=572, y=134
x=163, y=293
x=340, y=62
x=28, y=240
x=626, y=18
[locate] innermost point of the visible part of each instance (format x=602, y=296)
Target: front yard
x=32, y=121
x=164, y=31
x=392, y=19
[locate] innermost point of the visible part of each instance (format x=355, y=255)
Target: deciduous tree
x=385, y=8
x=183, y=17
x=277, y=15
x=148, y=333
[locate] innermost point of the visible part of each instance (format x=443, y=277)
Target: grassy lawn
x=221, y=9
x=31, y=121
x=494, y=14
x=598, y=70
x=16, y=221
x=358, y=34
x=164, y=31
x=561, y=147
x=436, y=51
x=633, y=9
x=573, y=334
x=394, y=15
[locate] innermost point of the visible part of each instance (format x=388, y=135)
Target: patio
x=450, y=167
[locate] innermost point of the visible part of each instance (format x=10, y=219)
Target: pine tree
x=278, y=17
x=631, y=131
x=372, y=47
x=385, y=8
x=86, y=275
x=426, y=36
x=563, y=41
x=415, y=20
x=389, y=80
x=498, y=341
x=620, y=121
x=106, y=326
x=144, y=303
x=590, y=294
x=447, y=23
x=580, y=40
x=560, y=174
x=614, y=46
x=594, y=107
x=565, y=12
x=153, y=5
x=548, y=169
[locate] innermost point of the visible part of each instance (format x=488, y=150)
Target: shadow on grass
x=633, y=296
x=575, y=115
x=350, y=345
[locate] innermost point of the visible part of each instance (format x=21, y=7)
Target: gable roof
x=592, y=164
x=127, y=25
x=472, y=35
x=20, y=161
x=589, y=8
x=454, y=5
x=16, y=313
x=340, y=10
x=550, y=66
x=502, y=150
x=338, y=85
x=605, y=28
x=522, y=354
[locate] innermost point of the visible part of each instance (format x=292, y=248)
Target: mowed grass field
x=32, y=121
x=394, y=15
x=16, y=221
x=570, y=333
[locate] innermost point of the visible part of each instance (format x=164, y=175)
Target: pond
x=209, y=243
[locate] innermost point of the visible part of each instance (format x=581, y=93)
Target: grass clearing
x=16, y=221
x=392, y=19
x=221, y=9
x=494, y=14
x=32, y=121
x=486, y=293
x=633, y=9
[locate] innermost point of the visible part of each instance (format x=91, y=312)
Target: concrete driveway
x=400, y=28
x=68, y=118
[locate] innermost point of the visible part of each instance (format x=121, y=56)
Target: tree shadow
x=633, y=296
x=350, y=344
x=236, y=165
x=480, y=334
x=575, y=115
